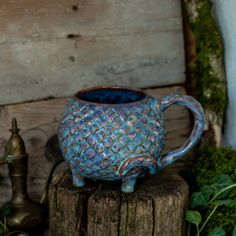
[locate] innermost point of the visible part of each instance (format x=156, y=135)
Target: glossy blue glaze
x=111, y=96
x=113, y=133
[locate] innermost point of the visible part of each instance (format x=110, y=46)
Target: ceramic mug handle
x=197, y=131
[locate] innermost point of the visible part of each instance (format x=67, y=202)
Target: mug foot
x=78, y=181
x=128, y=184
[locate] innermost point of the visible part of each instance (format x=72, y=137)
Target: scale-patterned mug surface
x=112, y=133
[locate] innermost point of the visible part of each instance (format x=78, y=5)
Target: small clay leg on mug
x=78, y=180
x=128, y=184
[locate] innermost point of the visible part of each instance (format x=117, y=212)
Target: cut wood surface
x=53, y=48
x=38, y=122
x=156, y=208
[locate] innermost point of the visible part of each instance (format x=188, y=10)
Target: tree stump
x=156, y=208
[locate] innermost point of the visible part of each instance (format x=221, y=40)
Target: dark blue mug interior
x=111, y=95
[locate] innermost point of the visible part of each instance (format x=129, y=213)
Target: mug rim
x=145, y=95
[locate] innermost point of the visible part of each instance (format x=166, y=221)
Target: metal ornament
x=24, y=213
x=112, y=133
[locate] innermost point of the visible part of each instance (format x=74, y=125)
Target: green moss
x=213, y=162
x=210, y=90
x=208, y=85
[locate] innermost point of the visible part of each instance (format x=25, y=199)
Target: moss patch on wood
x=209, y=86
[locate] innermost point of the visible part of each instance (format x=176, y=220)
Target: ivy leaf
x=222, y=182
x=201, y=199
x=234, y=231
x=198, y=199
x=217, y=232
x=226, y=202
x=207, y=192
x=193, y=217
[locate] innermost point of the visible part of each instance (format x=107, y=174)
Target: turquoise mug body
x=118, y=133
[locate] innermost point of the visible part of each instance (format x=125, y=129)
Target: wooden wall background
x=51, y=49
x=54, y=48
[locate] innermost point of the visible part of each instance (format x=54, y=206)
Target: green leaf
x=217, y=232
x=227, y=202
x=222, y=182
x=207, y=191
x=201, y=198
x=234, y=231
x=193, y=217
x=198, y=199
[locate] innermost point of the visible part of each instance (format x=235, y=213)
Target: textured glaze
x=113, y=133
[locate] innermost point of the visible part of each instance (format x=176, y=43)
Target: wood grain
x=54, y=48
x=155, y=208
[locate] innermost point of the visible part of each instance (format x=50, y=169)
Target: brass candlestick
x=24, y=213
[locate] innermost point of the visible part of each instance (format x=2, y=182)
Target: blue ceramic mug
x=112, y=133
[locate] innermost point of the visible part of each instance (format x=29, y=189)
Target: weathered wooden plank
x=135, y=215
x=106, y=220
x=76, y=210
x=156, y=208
x=38, y=122
x=53, y=48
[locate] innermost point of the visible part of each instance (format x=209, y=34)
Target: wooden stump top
x=155, y=208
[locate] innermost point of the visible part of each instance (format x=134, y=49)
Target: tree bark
x=204, y=65
x=156, y=207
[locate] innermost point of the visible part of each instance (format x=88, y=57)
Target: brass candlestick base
x=23, y=212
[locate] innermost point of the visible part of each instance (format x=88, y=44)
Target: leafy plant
x=5, y=231
x=211, y=196
x=211, y=163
